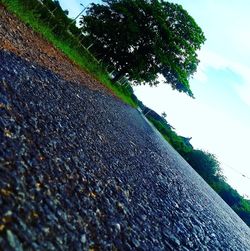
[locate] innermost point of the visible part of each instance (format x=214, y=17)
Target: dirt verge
x=23, y=41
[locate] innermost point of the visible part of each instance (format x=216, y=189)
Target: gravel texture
x=17, y=37
x=80, y=170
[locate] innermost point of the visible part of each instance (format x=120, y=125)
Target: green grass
x=69, y=46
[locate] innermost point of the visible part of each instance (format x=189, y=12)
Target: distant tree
x=66, y=12
x=228, y=194
x=145, y=38
x=205, y=164
x=164, y=115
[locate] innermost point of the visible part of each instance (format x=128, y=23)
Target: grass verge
x=66, y=43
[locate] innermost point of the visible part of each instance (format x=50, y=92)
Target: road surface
x=80, y=170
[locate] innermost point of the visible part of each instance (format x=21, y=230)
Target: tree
x=142, y=39
x=206, y=165
x=164, y=115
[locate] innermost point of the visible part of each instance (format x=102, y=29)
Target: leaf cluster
x=145, y=38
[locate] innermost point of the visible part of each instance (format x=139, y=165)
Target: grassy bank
x=49, y=20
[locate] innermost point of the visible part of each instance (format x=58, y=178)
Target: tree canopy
x=145, y=38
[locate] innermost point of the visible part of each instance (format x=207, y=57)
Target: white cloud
x=213, y=60
x=244, y=92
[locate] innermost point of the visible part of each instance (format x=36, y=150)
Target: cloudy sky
x=218, y=119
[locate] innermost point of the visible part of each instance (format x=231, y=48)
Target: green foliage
x=243, y=210
x=143, y=39
x=52, y=23
x=229, y=195
x=205, y=164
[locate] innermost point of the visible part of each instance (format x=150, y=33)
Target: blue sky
x=218, y=118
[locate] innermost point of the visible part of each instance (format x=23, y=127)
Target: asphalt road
x=80, y=170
